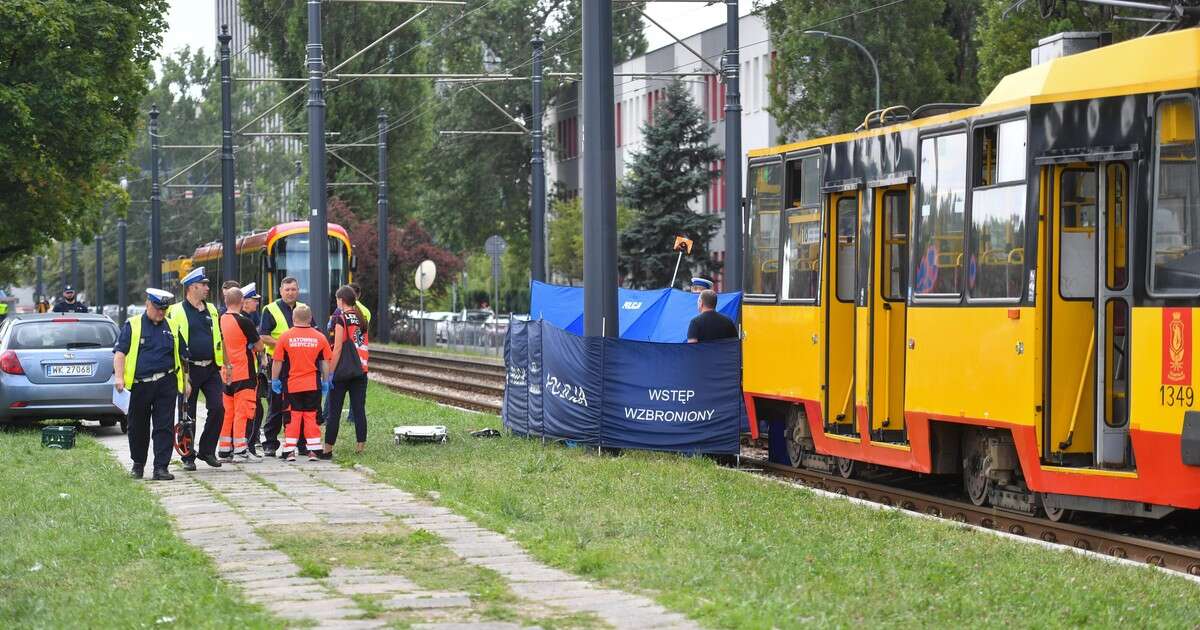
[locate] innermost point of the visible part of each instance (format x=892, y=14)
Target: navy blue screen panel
x=516, y=386
x=571, y=386
x=533, y=331
x=660, y=315
x=561, y=306
x=672, y=397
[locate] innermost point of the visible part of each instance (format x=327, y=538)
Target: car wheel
x=108, y=422
x=124, y=426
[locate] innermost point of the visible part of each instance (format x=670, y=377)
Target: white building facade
x=635, y=98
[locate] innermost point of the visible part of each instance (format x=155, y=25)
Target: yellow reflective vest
x=135, y=342
x=179, y=322
x=276, y=312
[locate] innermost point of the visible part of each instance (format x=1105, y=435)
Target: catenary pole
x=229, y=260
x=537, y=220
x=155, y=279
x=40, y=285
x=732, y=277
x=122, y=302
x=382, y=310
x=599, y=174
x=99, y=296
x=318, y=251
x=75, y=280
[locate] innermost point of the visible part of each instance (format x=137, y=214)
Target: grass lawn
x=732, y=550
x=84, y=546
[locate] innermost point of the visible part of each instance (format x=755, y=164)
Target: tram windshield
x=291, y=259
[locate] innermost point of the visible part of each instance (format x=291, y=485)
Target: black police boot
x=189, y=464
x=161, y=474
x=211, y=460
x=137, y=470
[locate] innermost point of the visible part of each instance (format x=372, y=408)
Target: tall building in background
x=635, y=98
x=257, y=64
x=250, y=62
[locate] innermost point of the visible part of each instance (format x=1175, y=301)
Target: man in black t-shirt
x=710, y=325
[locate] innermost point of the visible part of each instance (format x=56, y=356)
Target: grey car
x=57, y=365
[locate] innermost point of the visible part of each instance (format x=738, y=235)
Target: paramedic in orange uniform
x=305, y=350
x=242, y=343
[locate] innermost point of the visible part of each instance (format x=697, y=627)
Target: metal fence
x=464, y=336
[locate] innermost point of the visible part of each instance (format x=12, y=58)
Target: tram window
x=938, y=233
x=997, y=260
x=1077, y=241
x=1000, y=153
x=1176, y=217
x=802, y=253
x=847, y=227
x=1116, y=230
x=865, y=236
x=764, y=202
x=895, y=211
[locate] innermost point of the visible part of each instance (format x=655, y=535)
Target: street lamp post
x=874, y=66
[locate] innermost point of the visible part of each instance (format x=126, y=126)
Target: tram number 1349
x=1176, y=396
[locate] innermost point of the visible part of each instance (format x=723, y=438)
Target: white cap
x=194, y=276
x=160, y=298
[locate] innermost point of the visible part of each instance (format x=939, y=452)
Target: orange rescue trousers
x=239, y=411
x=303, y=422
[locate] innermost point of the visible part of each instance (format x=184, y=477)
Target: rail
x=467, y=382
x=1163, y=555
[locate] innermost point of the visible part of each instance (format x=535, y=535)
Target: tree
x=821, y=86
x=407, y=247
x=566, y=237
x=72, y=73
x=672, y=170
x=1005, y=41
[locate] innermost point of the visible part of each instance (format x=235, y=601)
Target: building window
x=617, y=125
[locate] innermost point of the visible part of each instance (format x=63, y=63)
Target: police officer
x=146, y=361
x=700, y=285
x=198, y=325
x=276, y=319
x=68, y=303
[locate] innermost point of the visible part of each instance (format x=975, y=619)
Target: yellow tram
x=1005, y=291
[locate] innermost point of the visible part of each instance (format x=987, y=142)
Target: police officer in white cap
x=198, y=324
x=699, y=285
x=146, y=361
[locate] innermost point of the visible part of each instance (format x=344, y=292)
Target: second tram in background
x=1006, y=292
x=270, y=256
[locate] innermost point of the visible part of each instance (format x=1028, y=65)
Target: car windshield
x=50, y=334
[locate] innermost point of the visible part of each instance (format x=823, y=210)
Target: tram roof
x=1158, y=63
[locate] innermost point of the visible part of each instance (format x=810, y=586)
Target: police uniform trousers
x=277, y=414
x=206, y=379
x=257, y=422
x=151, y=415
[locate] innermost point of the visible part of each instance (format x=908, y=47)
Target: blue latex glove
x=250, y=346
x=325, y=385
x=277, y=386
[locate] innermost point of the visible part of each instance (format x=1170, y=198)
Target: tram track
x=466, y=382
x=1167, y=556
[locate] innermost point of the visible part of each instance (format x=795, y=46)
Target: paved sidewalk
x=219, y=510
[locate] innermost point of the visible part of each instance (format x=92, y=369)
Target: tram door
x=840, y=360
x=880, y=311
x=1089, y=329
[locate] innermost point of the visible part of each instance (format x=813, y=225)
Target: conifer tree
x=672, y=170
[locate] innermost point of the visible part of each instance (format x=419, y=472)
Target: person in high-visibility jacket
x=240, y=376
x=146, y=361
x=197, y=321
x=276, y=319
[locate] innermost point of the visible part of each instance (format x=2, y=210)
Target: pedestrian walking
x=146, y=362
x=68, y=303
x=306, y=352
x=240, y=378
x=710, y=325
x=276, y=320
x=196, y=320
x=349, y=372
